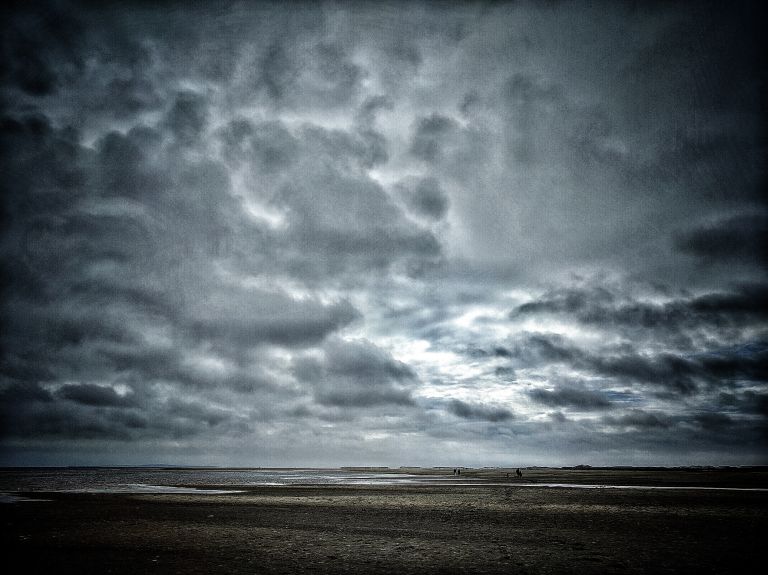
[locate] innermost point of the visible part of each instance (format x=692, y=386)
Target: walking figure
x=518, y=472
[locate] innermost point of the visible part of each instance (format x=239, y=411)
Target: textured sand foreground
x=393, y=529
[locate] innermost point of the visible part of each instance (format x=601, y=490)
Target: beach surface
x=481, y=523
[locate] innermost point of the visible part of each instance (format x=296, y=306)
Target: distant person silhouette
x=518, y=472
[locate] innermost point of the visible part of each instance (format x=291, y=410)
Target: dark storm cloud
x=40, y=49
x=569, y=396
x=126, y=97
x=735, y=240
x=478, y=411
x=429, y=137
x=187, y=118
x=275, y=73
x=96, y=395
x=266, y=317
x=689, y=85
x=356, y=374
x=713, y=421
x=25, y=392
x=268, y=146
x=673, y=373
x=747, y=401
x=61, y=421
x=322, y=76
x=197, y=413
x=637, y=418
x=70, y=420
x=425, y=197
x=542, y=348
x=596, y=305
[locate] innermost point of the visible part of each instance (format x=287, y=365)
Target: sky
x=405, y=233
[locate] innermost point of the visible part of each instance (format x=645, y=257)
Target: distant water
x=178, y=480
x=139, y=479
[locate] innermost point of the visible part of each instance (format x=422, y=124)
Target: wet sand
x=390, y=529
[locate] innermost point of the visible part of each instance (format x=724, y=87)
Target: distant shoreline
x=55, y=478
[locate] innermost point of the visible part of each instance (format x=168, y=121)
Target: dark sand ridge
x=390, y=529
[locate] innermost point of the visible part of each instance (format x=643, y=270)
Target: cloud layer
x=382, y=234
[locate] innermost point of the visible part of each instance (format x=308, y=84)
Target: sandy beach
x=391, y=529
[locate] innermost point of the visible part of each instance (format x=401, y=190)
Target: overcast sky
x=383, y=234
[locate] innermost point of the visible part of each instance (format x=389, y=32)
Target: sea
x=14, y=481
x=139, y=479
